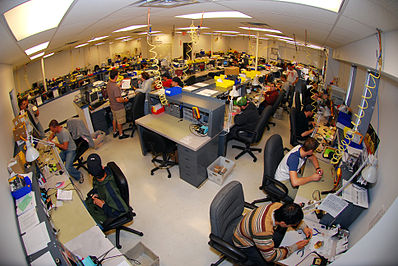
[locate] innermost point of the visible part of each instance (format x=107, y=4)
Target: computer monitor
x=94, y=97
x=337, y=94
x=225, y=63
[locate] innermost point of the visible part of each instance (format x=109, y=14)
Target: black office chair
x=159, y=145
x=78, y=130
x=225, y=213
x=251, y=137
x=297, y=101
x=294, y=139
x=119, y=222
x=138, y=110
x=276, y=105
x=189, y=81
x=273, y=155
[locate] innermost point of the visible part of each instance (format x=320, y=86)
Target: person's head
x=54, y=126
x=290, y=66
x=308, y=110
x=145, y=75
x=242, y=102
x=289, y=214
x=23, y=103
x=176, y=82
x=310, y=146
x=94, y=166
x=113, y=75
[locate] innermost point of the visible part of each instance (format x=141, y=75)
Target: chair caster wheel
x=254, y=160
x=151, y=173
x=119, y=246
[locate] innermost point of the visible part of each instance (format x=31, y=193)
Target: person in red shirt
x=166, y=81
x=269, y=98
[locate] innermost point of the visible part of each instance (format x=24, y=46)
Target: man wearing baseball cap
x=247, y=118
x=104, y=200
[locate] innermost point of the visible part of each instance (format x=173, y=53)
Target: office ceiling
x=87, y=19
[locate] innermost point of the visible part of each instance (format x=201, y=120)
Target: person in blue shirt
x=287, y=171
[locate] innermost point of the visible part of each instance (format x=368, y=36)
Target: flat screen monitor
x=337, y=95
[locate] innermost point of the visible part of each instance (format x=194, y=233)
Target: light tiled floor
x=172, y=214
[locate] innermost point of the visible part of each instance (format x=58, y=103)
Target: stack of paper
x=26, y=203
x=64, y=194
x=36, y=238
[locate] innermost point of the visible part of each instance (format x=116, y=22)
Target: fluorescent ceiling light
x=332, y=5
x=81, y=45
x=37, y=48
x=35, y=16
x=188, y=28
x=37, y=56
x=229, y=35
x=48, y=55
x=121, y=38
x=100, y=43
x=279, y=37
x=179, y=32
x=227, y=31
x=98, y=38
x=126, y=40
x=263, y=38
x=133, y=27
x=247, y=35
x=261, y=29
x=220, y=14
x=145, y=32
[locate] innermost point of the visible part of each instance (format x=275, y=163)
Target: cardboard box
x=231, y=71
x=144, y=255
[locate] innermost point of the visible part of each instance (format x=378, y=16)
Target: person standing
x=117, y=105
x=68, y=148
x=145, y=87
x=291, y=74
x=33, y=114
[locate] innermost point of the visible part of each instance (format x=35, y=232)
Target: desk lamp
x=369, y=173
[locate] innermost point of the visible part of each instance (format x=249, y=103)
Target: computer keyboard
x=96, y=105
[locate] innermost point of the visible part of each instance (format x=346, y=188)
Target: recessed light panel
x=36, y=56
x=260, y=29
x=219, y=14
x=48, y=55
x=35, y=16
x=37, y=48
x=98, y=38
x=331, y=5
x=129, y=28
x=188, y=28
x=226, y=31
x=81, y=45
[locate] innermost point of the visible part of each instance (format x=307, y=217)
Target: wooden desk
x=195, y=153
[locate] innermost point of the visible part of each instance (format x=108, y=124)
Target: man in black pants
x=246, y=120
x=304, y=125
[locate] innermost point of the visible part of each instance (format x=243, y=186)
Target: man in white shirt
x=291, y=74
x=293, y=161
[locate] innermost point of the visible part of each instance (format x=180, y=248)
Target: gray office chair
x=251, y=137
x=273, y=155
x=225, y=213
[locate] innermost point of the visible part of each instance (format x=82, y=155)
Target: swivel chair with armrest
x=159, y=145
x=276, y=105
x=225, y=213
x=273, y=155
x=294, y=139
x=251, y=137
x=138, y=110
x=118, y=223
x=82, y=138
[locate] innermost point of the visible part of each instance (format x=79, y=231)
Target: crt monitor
x=94, y=97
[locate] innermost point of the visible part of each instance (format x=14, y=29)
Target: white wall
x=11, y=252
x=372, y=250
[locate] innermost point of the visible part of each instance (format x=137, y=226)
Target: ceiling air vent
x=257, y=24
x=164, y=3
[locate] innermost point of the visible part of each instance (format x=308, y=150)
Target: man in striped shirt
x=254, y=233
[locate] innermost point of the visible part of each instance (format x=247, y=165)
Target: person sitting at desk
x=104, y=201
x=304, y=125
x=116, y=103
x=270, y=97
x=256, y=237
x=246, y=120
x=166, y=81
x=145, y=87
x=177, y=82
x=293, y=161
x=68, y=148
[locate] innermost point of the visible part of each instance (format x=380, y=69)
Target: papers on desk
x=356, y=195
x=201, y=84
x=44, y=260
x=333, y=205
x=190, y=88
x=28, y=220
x=36, y=238
x=64, y=194
x=207, y=92
x=26, y=203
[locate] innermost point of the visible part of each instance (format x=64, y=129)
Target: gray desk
x=195, y=153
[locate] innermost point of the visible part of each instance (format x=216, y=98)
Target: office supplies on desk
x=333, y=205
x=64, y=194
x=26, y=203
x=28, y=220
x=36, y=238
x=207, y=92
x=45, y=259
x=356, y=195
